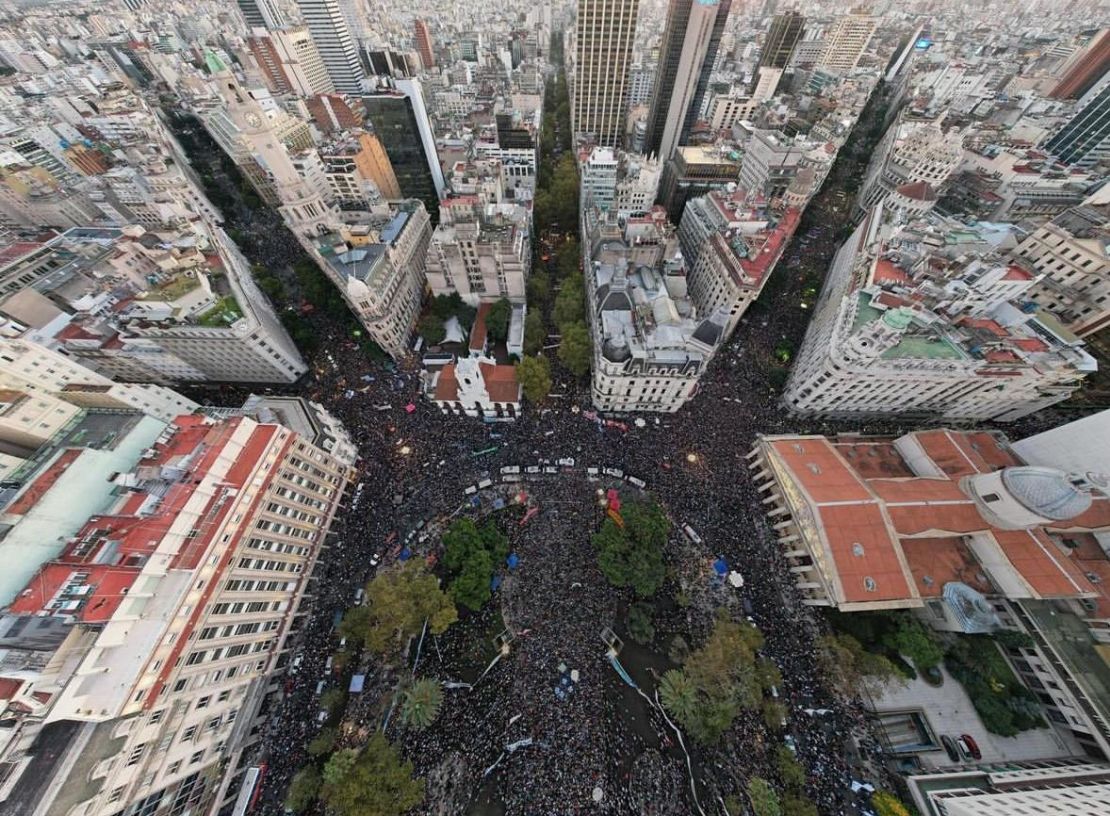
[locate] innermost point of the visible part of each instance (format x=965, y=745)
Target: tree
x=378, y=783
x=399, y=601
x=539, y=288
x=765, y=802
x=568, y=257
x=339, y=765
x=431, y=329
x=421, y=703
x=534, y=375
x=678, y=695
x=792, y=774
x=632, y=556
x=774, y=715
x=497, y=320
x=794, y=804
x=471, y=556
x=570, y=303
x=534, y=333
x=887, y=804
x=717, y=681
x=914, y=640
x=639, y=624
x=333, y=700
x=856, y=669
x=323, y=742
x=304, y=789
x=576, y=349
x=447, y=306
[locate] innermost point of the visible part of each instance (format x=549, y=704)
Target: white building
x=483, y=253
x=381, y=271
x=598, y=178
x=1069, y=253
x=332, y=35
x=29, y=366
x=169, y=633
x=909, y=324
x=910, y=153
x=650, y=344
x=475, y=386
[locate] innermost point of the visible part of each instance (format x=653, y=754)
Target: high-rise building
x=682, y=59
x=169, y=613
x=263, y=14
x=290, y=62
x=424, y=43
x=401, y=123
x=1084, y=140
x=1087, y=67
x=604, y=35
x=846, y=41
x=326, y=22
x=785, y=32
x=695, y=108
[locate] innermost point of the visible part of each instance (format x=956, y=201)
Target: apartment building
x=380, y=268
x=28, y=366
x=846, y=41
x=170, y=613
x=925, y=319
x=483, y=253
x=910, y=153
x=1069, y=256
x=731, y=250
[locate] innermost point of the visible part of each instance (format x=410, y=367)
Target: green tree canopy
x=722, y=675
x=471, y=556
x=640, y=628
x=323, y=742
x=534, y=374
x=791, y=772
x=399, y=600
x=497, y=320
x=633, y=556
x=534, y=333
x=421, y=703
x=765, y=802
x=376, y=783
x=303, y=789
x=795, y=804
x=570, y=303
x=576, y=349
x=855, y=668
x=431, y=329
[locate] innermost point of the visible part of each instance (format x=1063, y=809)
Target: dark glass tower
x=786, y=31
x=394, y=120
x=1085, y=140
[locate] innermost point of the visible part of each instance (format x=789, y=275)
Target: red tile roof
x=889, y=272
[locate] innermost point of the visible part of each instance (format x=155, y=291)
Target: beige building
x=28, y=366
x=29, y=421
x=603, y=39
x=1069, y=254
x=846, y=42
x=177, y=604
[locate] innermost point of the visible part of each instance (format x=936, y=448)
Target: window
x=189, y=733
x=197, y=757
x=156, y=717
x=136, y=754
x=173, y=767
x=203, y=702
x=990, y=497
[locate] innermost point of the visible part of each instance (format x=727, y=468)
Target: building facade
x=604, y=34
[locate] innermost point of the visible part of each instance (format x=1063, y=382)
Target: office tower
x=290, y=62
x=333, y=38
x=263, y=14
x=1084, y=141
x=1060, y=787
x=694, y=109
x=168, y=609
x=604, y=34
x=424, y=43
x=682, y=60
x=846, y=42
x=1086, y=68
x=402, y=125
x=786, y=30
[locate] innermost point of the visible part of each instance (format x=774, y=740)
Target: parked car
x=950, y=748
x=969, y=746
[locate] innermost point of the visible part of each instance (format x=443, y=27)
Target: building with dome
x=911, y=152
x=960, y=529
x=651, y=341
